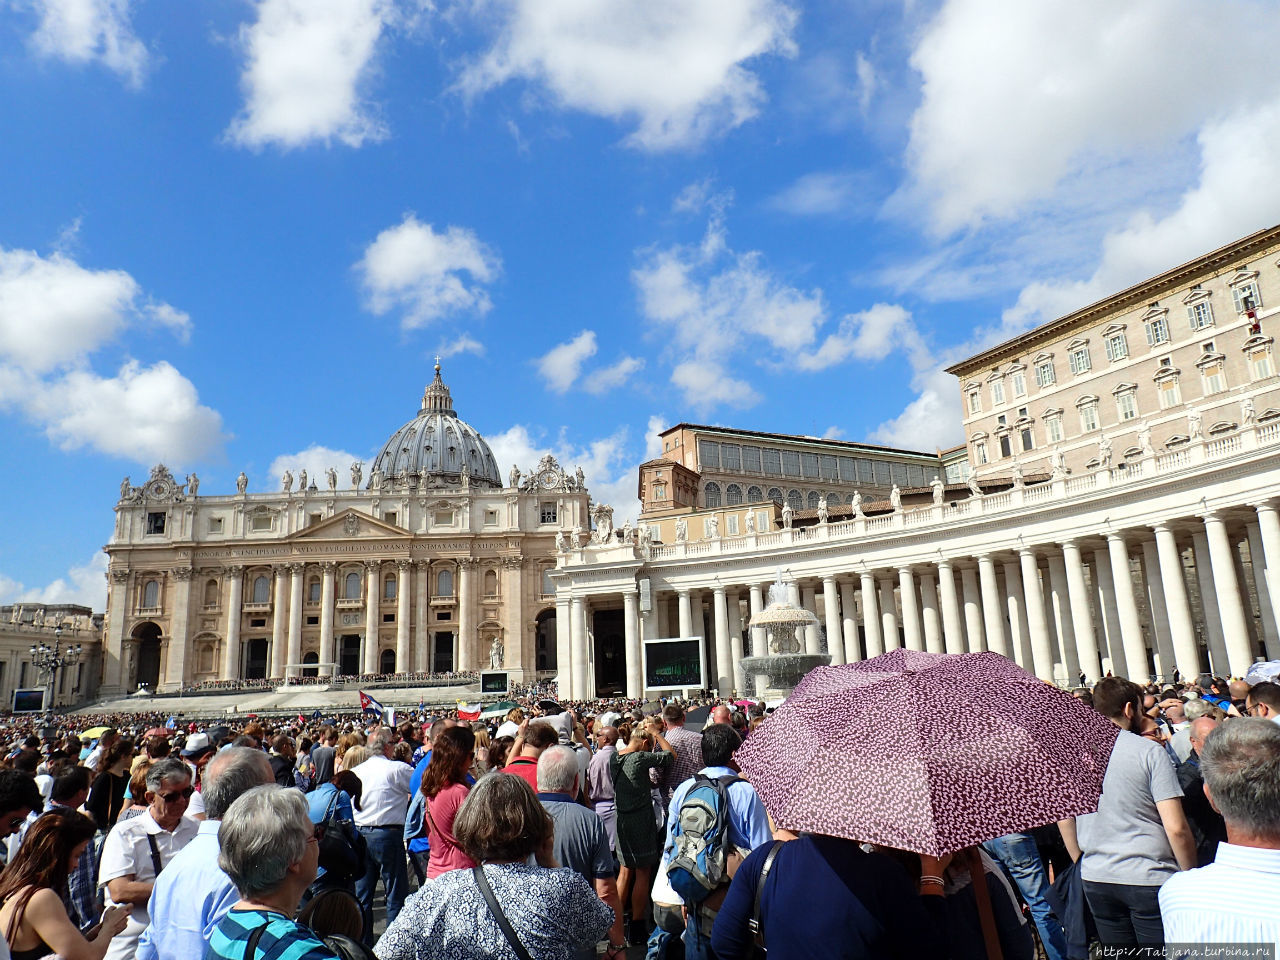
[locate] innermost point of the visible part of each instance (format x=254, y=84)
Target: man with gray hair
x=1235, y=899
x=581, y=842
x=1180, y=742
x=137, y=850
x=384, y=804
x=193, y=894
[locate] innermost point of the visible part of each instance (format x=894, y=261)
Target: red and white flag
x=467, y=711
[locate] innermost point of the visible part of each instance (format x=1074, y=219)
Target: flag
x=368, y=704
x=390, y=718
x=467, y=711
x=315, y=714
x=301, y=718
x=422, y=706
x=172, y=723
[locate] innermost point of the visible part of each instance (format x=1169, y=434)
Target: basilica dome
x=435, y=448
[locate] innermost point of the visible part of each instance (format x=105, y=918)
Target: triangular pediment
x=350, y=524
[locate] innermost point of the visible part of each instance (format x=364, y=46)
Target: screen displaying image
x=493, y=683
x=28, y=701
x=673, y=663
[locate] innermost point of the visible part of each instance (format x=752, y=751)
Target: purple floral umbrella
x=927, y=752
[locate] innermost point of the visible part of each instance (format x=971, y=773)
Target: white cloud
x=460, y=344
x=84, y=585
x=607, y=466
x=706, y=384
x=609, y=378
x=823, y=193
x=1063, y=85
x=54, y=314
x=88, y=31
x=315, y=459
x=676, y=69
x=427, y=274
x=833, y=433
x=869, y=335
x=868, y=81
x=652, y=442
x=307, y=65
x=561, y=366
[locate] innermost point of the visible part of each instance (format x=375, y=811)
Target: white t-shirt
x=127, y=851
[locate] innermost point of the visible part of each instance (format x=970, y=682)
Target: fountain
x=777, y=672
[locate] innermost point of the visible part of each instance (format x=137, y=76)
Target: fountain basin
x=783, y=671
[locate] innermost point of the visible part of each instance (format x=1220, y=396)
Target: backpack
x=700, y=836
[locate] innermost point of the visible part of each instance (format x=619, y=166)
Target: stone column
x=831, y=619
x=1270, y=628
x=297, y=579
x=724, y=654
x=466, y=616
x=809, y=601
x=327, y=569
x=173, y=676
x=888, y=615
x=911, y=626
x=992, y=614
x=1019, y=630
x=757, y=633
x=578, y=641
x=1154, y=586
x=871, y=617
x=404, y=576
x=1109, y=612
x=1081, y=614
x=1269, y=556
x=519, y=647
x=1214, y=638
x=1060, y=595
x=648, y=631
x=1033, y=596
x=564, y=644
x=631, y=633
x=231, y=648
x=422, y=621
x=1242, y=578
x=849, y=622
x=686, y=613
x=736, y=654
x=976, y=642
x=1135, y=649
x=929, y=616
x=113, y=647
x=1230, y=606
x=952, y=626
x=1185, y=652
x=279, y=623
x=371, y=619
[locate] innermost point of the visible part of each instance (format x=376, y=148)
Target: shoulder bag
x=507, y=931
x=757, y=928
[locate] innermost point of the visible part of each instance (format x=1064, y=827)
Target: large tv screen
x=28, y=701
x=493, y=682
x=670, y=664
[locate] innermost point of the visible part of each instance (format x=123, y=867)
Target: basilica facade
x=432, y=563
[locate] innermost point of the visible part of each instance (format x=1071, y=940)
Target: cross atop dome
x=436, y=398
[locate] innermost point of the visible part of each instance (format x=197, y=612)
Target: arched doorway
x=310, y=658
x=147, y=665
x=545, y=640
x=387, y=662
x=255, y=667
x=349, y=655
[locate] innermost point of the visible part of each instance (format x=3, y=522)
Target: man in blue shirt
x=192, y=894
x=748, y=825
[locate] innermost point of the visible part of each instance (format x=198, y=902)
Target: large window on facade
x=1260, y=362
x=211, y=593
x=1169, y=392
x=1214, y=375
x=997, y=392
x=711, y=494
x=548, y=588
x=1157, y=331
x=1245, y=296
x=1045, y=376
x=809, y=465
x=1053, y=427
x=975, y=401
x=313, y=591
x=491, y=583
x=731, y=457
x=1079, y=360
x=709, y=454
x=1018, y=381
x=979, y=452
x=1117, y=347
x=151, y=594
x=813, y=499
x=547, y=512
x=1200, y=315
x=1088, y=415
x=1127, y=405
x=155, y=523
x=775, y=494
x=261, y=590
x=771, y=460
x=444, y=583
x=733, y=494
x=754, y=494
x=795, y=500
x=790, y=463
x=751, y=459
x=351, y=587
x=388, y=588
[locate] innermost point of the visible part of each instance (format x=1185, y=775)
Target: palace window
x=1127, y=405
x=155, y=523
x=261, y=590
x=1079, y=360
x=1245, y=296
x=997, y=392
x=547, y=512
x=711, y=494
x=211, y=594
x=491, y=518
x=979, y=452
x=1117, y=347
x=444, y=518
x=391, y=517
x=1088, y=415
x=795, y=500
x=151, y=594
x=1200, y=315
x=214, y=525
x=313, y=591
x=1028, y=440
x=444, y=583
x=775, y=494
x=351, y=587
x=975, y=401
x=733, y=494
x=1045, y=376
x=1169, y=392
x=1157, y=331
x=1019, y=381
x=260, y=522
x=491, y=583
x=754, y=494
x=1053, y=428
x=1260, y=363
x=731, y=525
x=813, y=500
x=388, y=588
x=1006, y=449
x=548, y=588
x=1214, y=376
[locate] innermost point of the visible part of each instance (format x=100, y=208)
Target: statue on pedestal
x=939, y=491
x=331, y=476
x=193, y=484
x=1144, y=441
x=356, y=474
x=751, y=521
x=495, y=654
x=857, y=505
x=561, y=544
x=1017, y=473
x=242, y=482
x=682, y=530
x=713, y=528
x=1193, y=423
x=788, y=516
x=895, y=499
x=822, y=510
x=1104, y=452
x=1247, y=413
x=1058, y=470
x=302, y=481
x=513, y=478
x=286, y=482
x=975, y=491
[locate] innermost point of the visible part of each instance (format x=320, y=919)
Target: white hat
x=196, y=743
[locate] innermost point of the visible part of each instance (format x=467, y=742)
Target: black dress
x=106, y=798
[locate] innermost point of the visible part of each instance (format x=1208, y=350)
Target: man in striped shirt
x=1235, y=899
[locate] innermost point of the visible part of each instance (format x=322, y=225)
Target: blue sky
x=234, y=234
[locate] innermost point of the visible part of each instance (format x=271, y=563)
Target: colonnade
x=1136, y=601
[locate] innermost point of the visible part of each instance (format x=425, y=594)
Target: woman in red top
x=444, y=783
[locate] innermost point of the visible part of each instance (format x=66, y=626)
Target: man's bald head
x=607, y=736
x=721, y=714
x=233, y=772
x=1200, y=730
x=1239, y=689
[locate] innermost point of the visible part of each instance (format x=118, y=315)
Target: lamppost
x=49, y=660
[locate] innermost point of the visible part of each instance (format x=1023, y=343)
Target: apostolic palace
x=1114, y=508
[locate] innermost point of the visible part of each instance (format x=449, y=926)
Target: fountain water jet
x=786, y=662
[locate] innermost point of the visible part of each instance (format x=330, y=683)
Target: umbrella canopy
x=652, y=708
x=94, y=732
x=1261, y=671
x=158, y=732
x=927, y=752
x=696, y=716
x=499, y=709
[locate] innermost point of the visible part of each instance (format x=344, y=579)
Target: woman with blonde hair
x=481, y=765
x=353, y=757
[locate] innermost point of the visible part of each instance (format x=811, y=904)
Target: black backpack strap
x=155, y=853
x=483, y=883
x=757, y=928
x=251, y=945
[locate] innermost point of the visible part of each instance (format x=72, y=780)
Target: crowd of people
x=574, y=830
x=415, y=679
